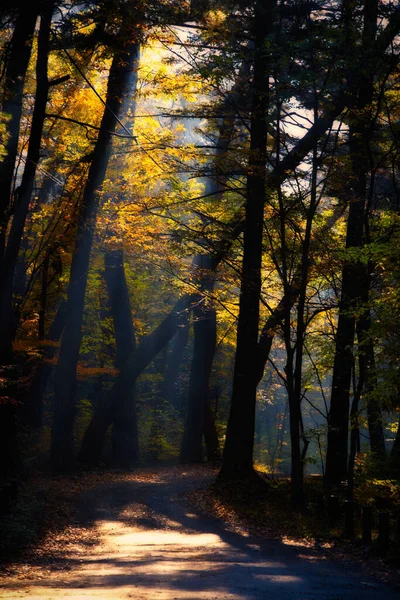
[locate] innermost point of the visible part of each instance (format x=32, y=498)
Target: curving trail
x=153, y=546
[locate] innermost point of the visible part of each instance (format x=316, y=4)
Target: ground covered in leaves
x=266, y=512
x=45, y=528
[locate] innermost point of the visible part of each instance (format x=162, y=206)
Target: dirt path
x=154, y=546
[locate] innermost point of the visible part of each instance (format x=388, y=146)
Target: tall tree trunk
x=147, y=350
x=352, y=275
x=14, y=80
x=123, y=69
x=238, y=451
x=44, y=370
x=124, y=435
x=21, y=202
x=20, y=51
x=204, y=326
x=174, y=361
x=368, y=371
x=336, y=457
x=296, y=373
x=200, y=418
x=293, y=368
x=354, y=427
x=211, y=438
x=374, y=412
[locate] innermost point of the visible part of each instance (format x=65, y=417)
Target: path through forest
x=155, y=546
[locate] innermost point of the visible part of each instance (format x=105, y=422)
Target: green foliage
x=156, y=204
x=382, y=493
x=160, y=432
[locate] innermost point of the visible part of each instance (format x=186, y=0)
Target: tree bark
x=203, y=354
x=44, y=370
x=211, y=438
x=14, y=80
x=174, y=361
x=355, y=428
x=147, y=350
x=238, y=451
x=368, y=371
x=123, y=69
x=200, y=417
x=294, y=366
x=21, y=202
x=124, y=435
x=352, y=275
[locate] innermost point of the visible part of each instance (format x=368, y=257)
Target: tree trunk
x=352, y=275
x=374, y=412
x=211, y=438
x=174, y=361
x=125, y=435
x=44, y=370
x=295, y=381
x=238, y=451
x=336, y=456
x=368, y=370
x=14, y=80
x=199, y=417
x=62, y=446
x=203, y=354
x=21, y=202
x=354, y=429
x=147, y=350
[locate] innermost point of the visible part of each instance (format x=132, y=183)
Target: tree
x=353, y=273
x=24, y=192
x=14, y=78
x=239, y=457
x=121, y=73
x=238, y=451
x=134, y=365
x=125, y=436
x=204, y=326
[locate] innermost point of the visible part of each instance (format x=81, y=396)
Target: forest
x=199, y=219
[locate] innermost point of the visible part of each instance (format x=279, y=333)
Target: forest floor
x=162, y=533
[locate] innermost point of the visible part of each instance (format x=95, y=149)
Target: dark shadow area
x=243, y=566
